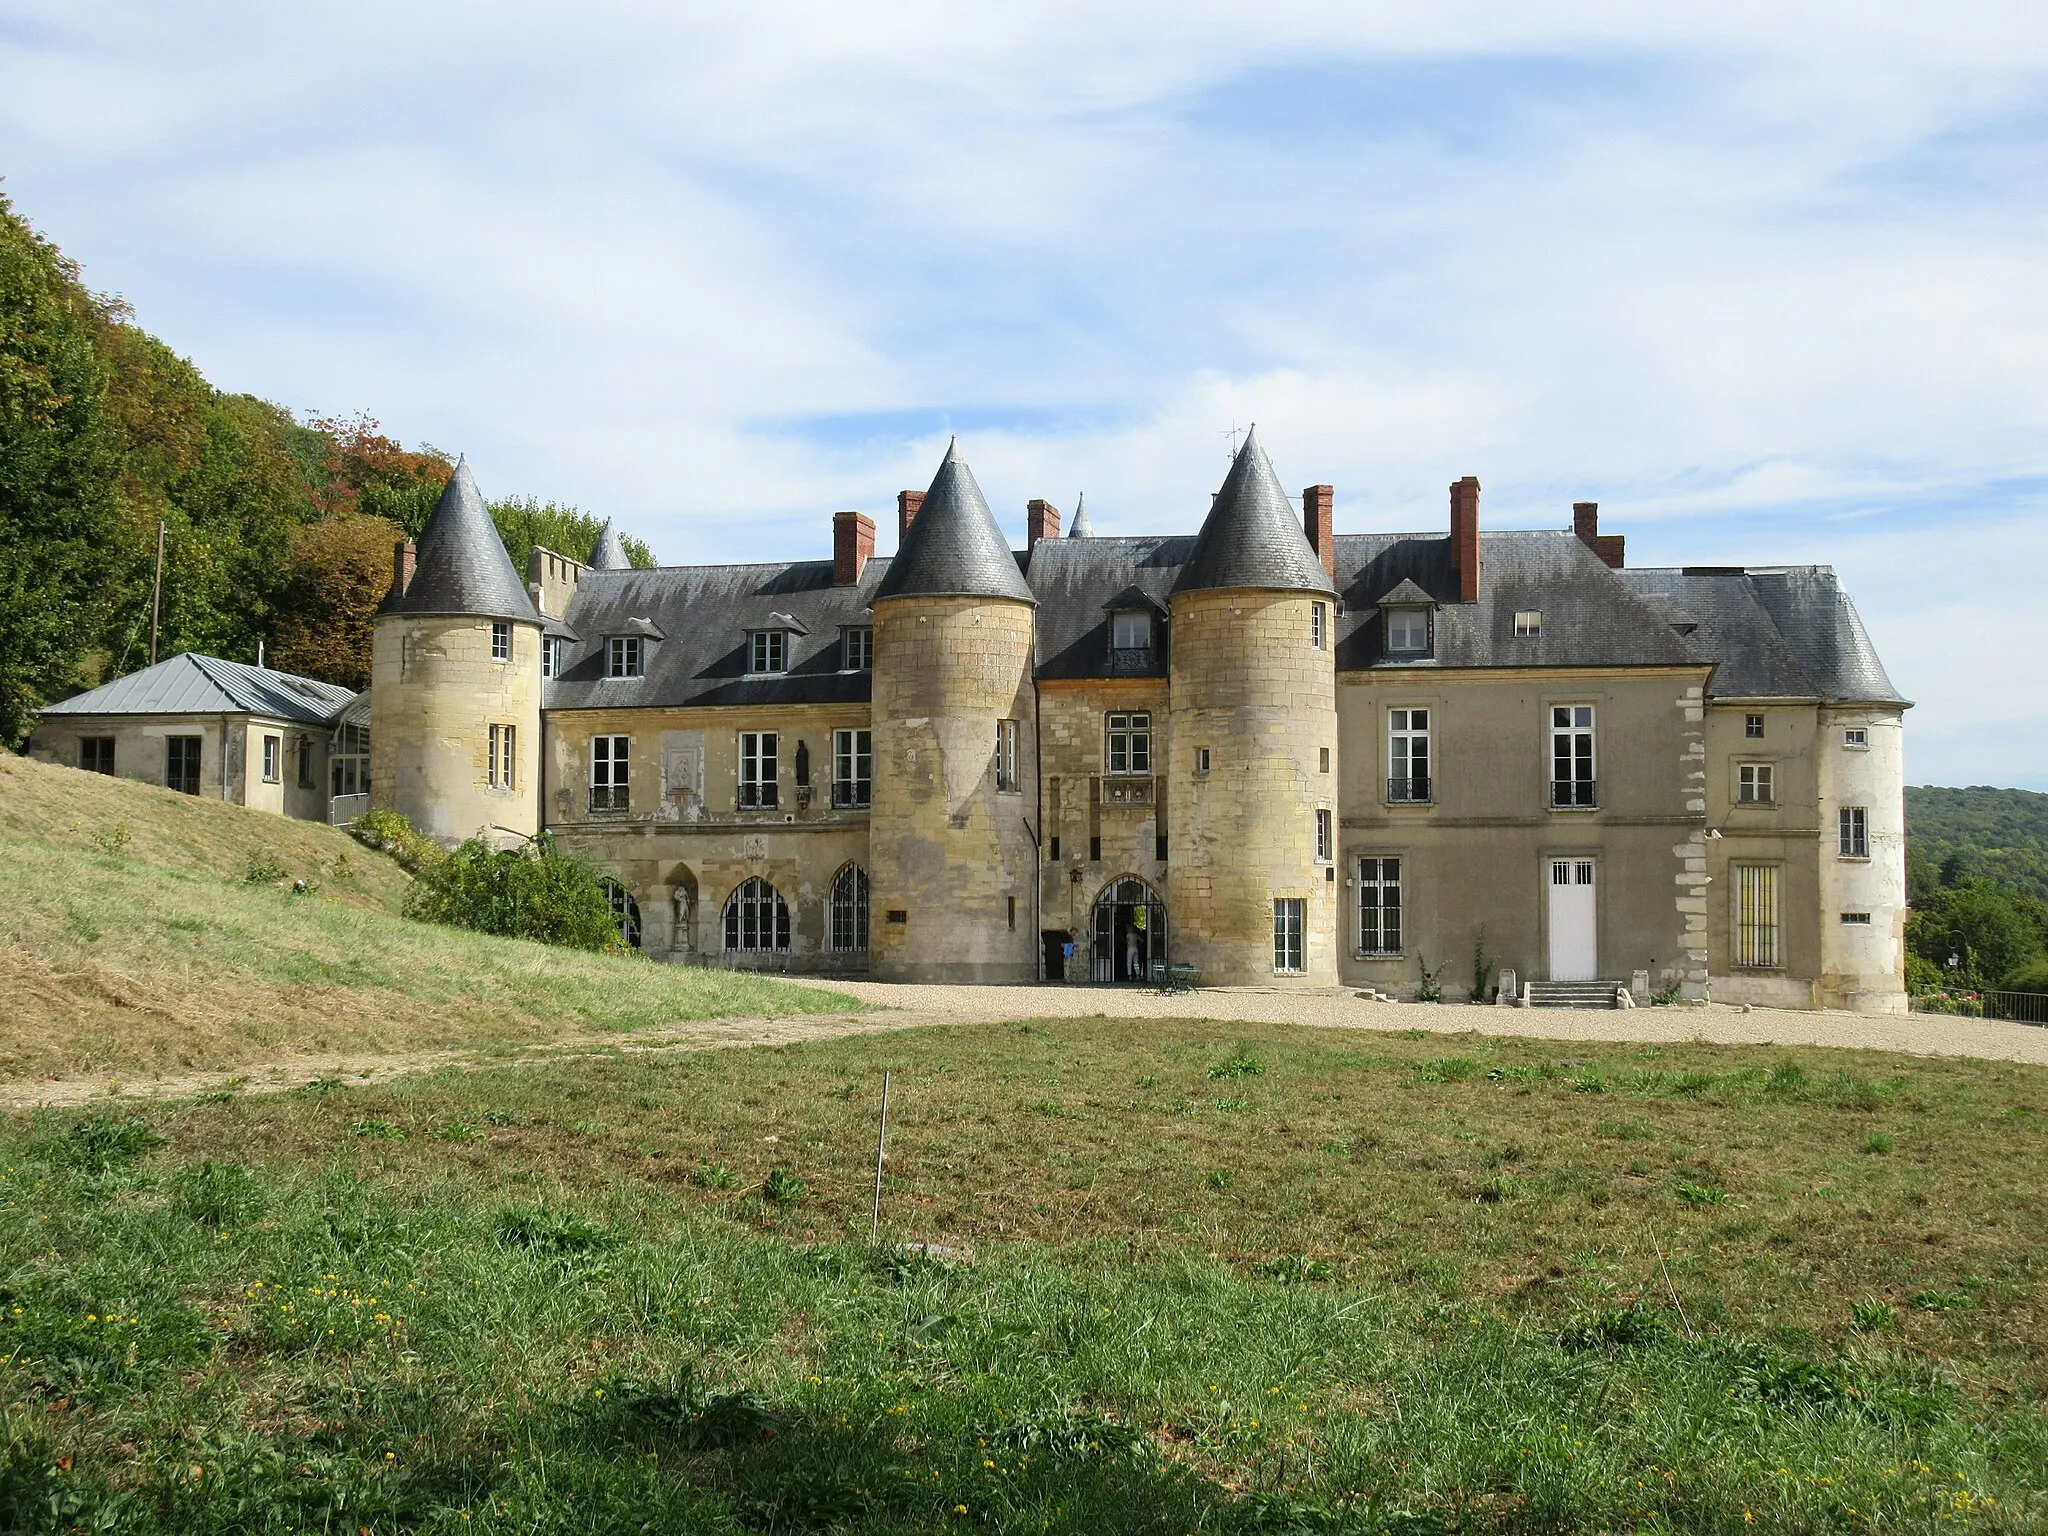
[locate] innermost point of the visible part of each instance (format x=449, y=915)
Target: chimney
x=403, y=553
x=1041, y=521
x=1465, y=537
x=853, y=545
x=1610, y=547
x=907, y=503
x=1317, y=521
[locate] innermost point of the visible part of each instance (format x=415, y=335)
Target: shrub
x=534, y=892
x=389, y=832
x=2028, y=976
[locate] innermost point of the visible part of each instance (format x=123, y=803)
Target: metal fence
x=2017, y=1007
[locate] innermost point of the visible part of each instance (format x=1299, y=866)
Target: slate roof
x=1589, y=618
x=191, y=684
x=1775, y=632
x=1079, y=581
x=1082, y=529
x=609, y=553
x=705, y=612
x=1252, y=538
x=954, y=548
x=462, y=567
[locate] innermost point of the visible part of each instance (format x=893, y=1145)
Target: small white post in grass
x=881, y=1147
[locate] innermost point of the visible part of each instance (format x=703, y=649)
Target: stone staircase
x=1574, y=994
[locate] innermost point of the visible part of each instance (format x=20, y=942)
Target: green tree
x=524, y=522
x=59, y=511
x=1992, y=932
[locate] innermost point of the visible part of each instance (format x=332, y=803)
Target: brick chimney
x=1041, y=521
x=1465, y=537
x=1318, y=522
x=403, y=554
x=1610, y=547
x=907, y=503
x=853, y=545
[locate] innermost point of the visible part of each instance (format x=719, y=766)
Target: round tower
x=951, y=846
x=1252, y=744
x=455, y=681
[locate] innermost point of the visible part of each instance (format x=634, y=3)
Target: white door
x=1574, y=921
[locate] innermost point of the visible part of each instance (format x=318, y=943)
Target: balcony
x=1574, y=795
x=606, y=799
x=1409, y=791
x=1127, y=791
x=758, y=797
x=1131, y=660
x=851, y=794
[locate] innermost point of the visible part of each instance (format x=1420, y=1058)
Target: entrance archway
x=1130, y=931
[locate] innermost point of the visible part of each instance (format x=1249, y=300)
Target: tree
x=1990, y=931
x=337, y=573
x=523, y=522
x=58, y=468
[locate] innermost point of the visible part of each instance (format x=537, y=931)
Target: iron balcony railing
x=851, y=794
x=1413, y=790
x=610, y=797
x=1131, y=660
x=758, y=797
x=1574, y=794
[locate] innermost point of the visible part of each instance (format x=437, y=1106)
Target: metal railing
x=758, y=797
x=1130, y=660
x=1574, y=794
x=2020, y=1007
x=851, y=794
x=1409, y=791
x=610, y=797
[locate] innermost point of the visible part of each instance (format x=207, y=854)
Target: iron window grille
x=625, y=656
x=1379, y=906
x=1852, y=832
x=1756, y=916
x=1290, y=915
x=1007, y=780
x=1408, y=755
x=1129, y=743
x=847, y=918
x=756, y=918
x=758, y=788
x=853, y=769
x=609, y=786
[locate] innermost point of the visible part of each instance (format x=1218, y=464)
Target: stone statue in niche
x=684, y=936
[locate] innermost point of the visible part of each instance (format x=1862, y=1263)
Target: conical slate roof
x=462, y=567
x=954, y=548
x=610, y=553
x=1253, y=538
x=1082, y=529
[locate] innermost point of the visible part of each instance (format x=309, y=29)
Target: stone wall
x=1863, y=964
x=1475, y=858
x=954, y=856
x=235, y=776
x=1249, y=686
x=435, y=693
x=1106, y=825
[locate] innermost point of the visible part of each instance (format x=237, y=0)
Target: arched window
x=626, y=909
x=756, y=918
x=849, y=910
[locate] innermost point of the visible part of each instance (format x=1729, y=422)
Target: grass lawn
x=1237, y=1279
x=142, y=930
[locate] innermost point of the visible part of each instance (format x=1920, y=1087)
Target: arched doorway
x=1130, y=931
x=626, y=909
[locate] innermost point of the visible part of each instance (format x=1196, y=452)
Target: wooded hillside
x=276, y=528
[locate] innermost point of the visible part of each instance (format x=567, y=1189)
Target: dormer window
x=1407, y=631
x=768, y=650
x=625, y=656
x=1528, y=623
x=857, y=653
x=1130, y=631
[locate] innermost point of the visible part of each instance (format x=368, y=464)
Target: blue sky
x=1769, y=287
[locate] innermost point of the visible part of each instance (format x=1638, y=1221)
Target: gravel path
x=894, y=1006
x=1921, y=1034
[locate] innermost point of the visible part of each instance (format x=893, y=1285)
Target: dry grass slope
x=144, y=931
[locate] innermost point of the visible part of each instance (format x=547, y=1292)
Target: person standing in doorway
x=1134, y=963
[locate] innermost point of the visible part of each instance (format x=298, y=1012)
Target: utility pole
x=156, y=591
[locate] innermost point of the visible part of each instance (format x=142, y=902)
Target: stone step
x=1574, y=994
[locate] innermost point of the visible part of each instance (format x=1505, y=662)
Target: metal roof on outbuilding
x=191, y=684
